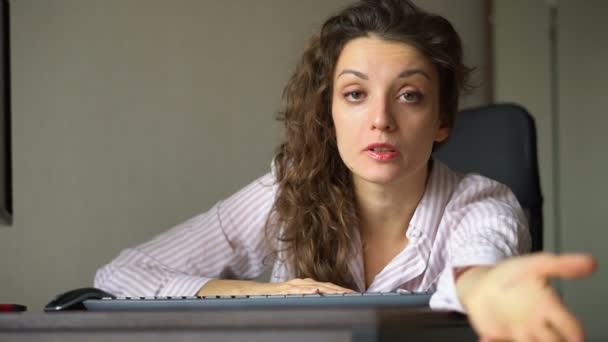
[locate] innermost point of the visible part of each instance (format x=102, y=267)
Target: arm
x=482, y=225
x=507, y=297
x=226, y=241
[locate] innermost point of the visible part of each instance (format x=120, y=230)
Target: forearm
x=134, y=274
x=467, y=279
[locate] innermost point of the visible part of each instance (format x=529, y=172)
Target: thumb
x=568, y=266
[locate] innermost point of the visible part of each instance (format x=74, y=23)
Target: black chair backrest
x=499, y=142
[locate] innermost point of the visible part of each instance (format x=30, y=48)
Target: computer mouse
x=72, y=300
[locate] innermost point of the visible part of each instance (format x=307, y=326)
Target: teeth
x=382, y=149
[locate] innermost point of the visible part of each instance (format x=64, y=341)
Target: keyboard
x=378, y=299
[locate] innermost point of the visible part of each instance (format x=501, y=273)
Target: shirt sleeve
x=488, y=225
x=227, y=241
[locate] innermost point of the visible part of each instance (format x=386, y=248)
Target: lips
x=382, y=151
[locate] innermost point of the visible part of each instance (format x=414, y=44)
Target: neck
x=385, y=210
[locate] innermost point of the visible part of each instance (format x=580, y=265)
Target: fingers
x=329, y=287
x=310, y=286
x=563, y=323
x=553, y=322
x=547, y=333
x=569, y=266
x=490, y=339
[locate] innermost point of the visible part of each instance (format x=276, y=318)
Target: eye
x=410, y=97
x=354, y=96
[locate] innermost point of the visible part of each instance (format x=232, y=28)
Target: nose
x=382, y=117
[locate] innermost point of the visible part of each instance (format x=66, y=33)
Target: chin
x=379, y=176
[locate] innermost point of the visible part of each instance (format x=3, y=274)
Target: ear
x=442, y=132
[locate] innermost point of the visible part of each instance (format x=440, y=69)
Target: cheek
x=340, y=125
x=341, y=133
x=347, y=119
x=344, y=137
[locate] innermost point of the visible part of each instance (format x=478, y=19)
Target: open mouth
x=382, y=149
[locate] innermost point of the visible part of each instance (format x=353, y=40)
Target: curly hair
x=314, y=215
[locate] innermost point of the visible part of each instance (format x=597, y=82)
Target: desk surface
x=235, y=325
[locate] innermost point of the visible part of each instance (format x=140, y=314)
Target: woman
x=355, y=202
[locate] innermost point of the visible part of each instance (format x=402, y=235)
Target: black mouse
x=72, y=300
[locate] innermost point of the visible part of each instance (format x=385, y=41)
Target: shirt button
x=415, y=233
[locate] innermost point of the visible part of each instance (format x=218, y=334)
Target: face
x=385, y=109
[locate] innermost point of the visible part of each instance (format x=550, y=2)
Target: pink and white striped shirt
x=461, y=220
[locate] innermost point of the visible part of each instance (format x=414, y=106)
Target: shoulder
x=482, y=211
x=472, y=189
x=258, y=193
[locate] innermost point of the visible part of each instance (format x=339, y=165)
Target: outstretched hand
x=513, y=301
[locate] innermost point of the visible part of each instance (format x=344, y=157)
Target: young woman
x=354, y=201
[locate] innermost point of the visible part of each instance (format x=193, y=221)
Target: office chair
x=499, y=142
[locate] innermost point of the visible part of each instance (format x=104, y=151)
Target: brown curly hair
x=314, y=215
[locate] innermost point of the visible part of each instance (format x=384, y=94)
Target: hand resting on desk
x=220, y=287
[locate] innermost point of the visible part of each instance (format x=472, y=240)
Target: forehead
x=373, y=54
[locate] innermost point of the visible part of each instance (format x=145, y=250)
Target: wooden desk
x=291, y=325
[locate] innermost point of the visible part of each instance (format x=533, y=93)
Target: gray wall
x=583, y=163
x=130, y=116
x=572, y=147
x=469, y=19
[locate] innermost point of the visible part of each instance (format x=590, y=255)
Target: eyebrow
x=403, y=74
x=410, y=72
x=354, y=72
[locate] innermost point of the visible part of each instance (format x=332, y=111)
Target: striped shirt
x=461, y=220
